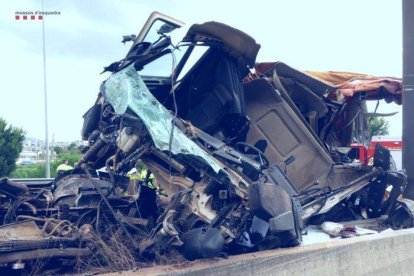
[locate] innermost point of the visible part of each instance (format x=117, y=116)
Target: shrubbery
x=39, y=170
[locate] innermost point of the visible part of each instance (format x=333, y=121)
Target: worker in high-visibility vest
x=63, y=167
x=148, y=177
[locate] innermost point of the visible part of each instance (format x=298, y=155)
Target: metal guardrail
x=33, y=181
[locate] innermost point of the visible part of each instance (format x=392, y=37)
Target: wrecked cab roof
x=236, y=43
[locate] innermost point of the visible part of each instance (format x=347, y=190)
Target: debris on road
x=333, y=229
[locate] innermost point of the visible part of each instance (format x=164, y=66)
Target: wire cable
x=175, y=112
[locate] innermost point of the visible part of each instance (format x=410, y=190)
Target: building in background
x=34, y=150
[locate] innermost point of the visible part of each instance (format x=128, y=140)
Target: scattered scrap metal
x=242, y=159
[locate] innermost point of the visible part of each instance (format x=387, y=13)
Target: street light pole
x=408, y=95
x=45, y=90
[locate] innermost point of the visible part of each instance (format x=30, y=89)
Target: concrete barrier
x=389, y=253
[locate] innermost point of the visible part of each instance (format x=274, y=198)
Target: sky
x=320, y=35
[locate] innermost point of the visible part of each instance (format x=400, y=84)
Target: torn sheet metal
x=343, y=84
x=22, y=230
x=126, y=89
x=348, y=84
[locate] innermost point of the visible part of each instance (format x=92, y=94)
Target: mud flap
x=402, y=214
x=272, y=203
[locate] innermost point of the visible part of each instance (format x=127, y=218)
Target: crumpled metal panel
x=24, y=230
x=127, y=89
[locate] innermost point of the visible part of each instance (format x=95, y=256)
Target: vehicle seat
x=211, y=90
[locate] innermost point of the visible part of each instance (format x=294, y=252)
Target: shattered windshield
x=126, y=89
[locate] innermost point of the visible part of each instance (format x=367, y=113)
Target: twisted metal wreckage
x=243, y=161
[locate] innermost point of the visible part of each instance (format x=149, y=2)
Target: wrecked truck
x=244, y=156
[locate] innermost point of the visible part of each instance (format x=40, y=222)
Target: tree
x=72, y=147
x=11, y=144
x=58, y=150
x=378, y=126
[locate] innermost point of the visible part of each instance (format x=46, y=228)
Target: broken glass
x=127, y=89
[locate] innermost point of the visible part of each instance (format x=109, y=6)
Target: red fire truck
x=393, y=143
